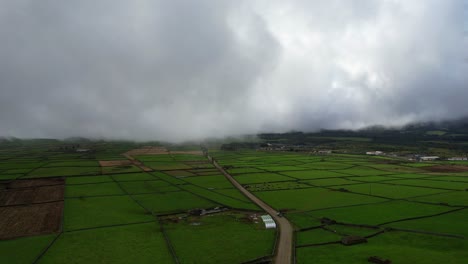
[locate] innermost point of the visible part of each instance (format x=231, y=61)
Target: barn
x=269, y=222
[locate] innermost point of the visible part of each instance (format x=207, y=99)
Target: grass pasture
x=288, y=185
x=366, y=179
x=139, y=243
x=152, y=186
x=379, y=213
x=397, y=246
x=107, y=218
x=96, y=189
x=133, y=177
x=220, y=199
x=261, y=178
x=63, y=171
x=391, y=191
x=210, y=182
x=90, y=212
x=171, y=202
x=448, y=185
x=451, y=223
x=312, y=199
x=329, y=182
x=23, y=250
x=312, y=174
x=316, y=236
x=220, y=235
x=454, y=198
x=87, y=179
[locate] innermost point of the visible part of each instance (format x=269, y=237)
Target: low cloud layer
x=177, y=70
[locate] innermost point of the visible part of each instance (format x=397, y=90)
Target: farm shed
x=353, y=240
x=376, y=153
x=429, y=158
x=457, y=158
x=82, y=150
x=269, y=222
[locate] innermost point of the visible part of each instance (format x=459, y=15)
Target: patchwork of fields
x=407, y=213
x=108, y=210
x=117, y=213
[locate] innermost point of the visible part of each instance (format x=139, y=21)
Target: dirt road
x=137, y=163
x=284, y=244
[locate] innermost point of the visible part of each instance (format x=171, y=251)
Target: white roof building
x=374, y=152
x=269, y=222
x=427, y=158
x=458, y=158
x=82, y=150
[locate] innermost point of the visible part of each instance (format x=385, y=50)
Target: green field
x=91, y=212
x=312, y=199
x=140, y=243
x=23, y=250
x=227, y=238
x=398, y=247
x=361, y=190
x=123, y=214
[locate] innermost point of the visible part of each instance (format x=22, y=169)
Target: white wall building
x=374, y=153
x=269, y=222
x=458, y=158
x=429, y=158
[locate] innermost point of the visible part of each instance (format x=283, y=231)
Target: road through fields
x=284, y=244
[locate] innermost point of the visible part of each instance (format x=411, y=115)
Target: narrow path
x=284, y=244
x=137, y=163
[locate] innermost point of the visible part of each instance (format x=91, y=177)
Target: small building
x=429, y=158
x=202, y=212
x=375, y=153
x=353, y=240
x=82, y=150
x=458, y=158
x=324, y=152
x=196, y=212
x=269, y=222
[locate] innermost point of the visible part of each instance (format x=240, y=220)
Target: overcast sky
x=185, y=69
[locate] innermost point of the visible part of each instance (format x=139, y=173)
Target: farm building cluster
x=418, y=157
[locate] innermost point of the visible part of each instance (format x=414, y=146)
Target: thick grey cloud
x=178, y=69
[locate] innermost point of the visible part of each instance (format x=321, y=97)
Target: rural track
x=137, y=163
x=284, y=243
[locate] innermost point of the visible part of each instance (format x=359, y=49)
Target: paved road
x=284, y=244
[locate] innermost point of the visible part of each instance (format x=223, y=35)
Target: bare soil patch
x=151, y=150
x=35, y=182
x=31, y=207
x=49, y=194
x=114, y=163
x=394, y=162
x=446, y=168
x=15, y=197
x=31, y=191
x=147, y=150
x=19, y=221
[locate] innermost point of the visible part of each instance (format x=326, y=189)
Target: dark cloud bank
x=176, y=70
